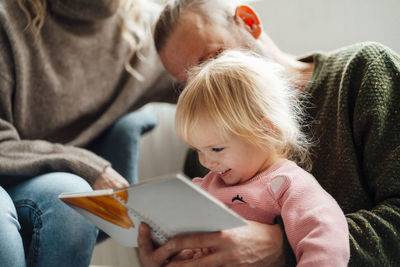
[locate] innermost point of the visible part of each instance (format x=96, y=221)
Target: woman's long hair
x=35, y=12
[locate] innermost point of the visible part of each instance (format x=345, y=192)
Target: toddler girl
x=243, y=118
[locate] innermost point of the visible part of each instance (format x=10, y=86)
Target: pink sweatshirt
x=314, y=223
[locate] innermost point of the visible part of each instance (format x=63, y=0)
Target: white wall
x=300, y=26
x=161, y=151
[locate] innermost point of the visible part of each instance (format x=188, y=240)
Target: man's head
x=189, y=32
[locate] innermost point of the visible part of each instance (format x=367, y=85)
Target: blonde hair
x=35, y=12
x=247, y=96
x=136, y=16
x=137, y=28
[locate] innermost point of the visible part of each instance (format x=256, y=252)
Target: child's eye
x=217, y=149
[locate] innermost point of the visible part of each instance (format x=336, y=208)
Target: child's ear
x=250, y=18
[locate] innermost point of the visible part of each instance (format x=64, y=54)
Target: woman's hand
x=254, y=245
x=110, y=178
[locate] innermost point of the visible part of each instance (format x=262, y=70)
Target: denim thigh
x=53, y=234
x=120, y=143
x=11, y=246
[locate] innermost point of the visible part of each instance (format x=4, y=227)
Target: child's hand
x=200, y=252
x=185, y=254
x=188, y=254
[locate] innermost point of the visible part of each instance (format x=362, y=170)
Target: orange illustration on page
x=106, y=207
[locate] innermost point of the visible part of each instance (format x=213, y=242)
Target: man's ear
x=250, y=18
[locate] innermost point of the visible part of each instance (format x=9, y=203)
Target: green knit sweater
x=355, y=118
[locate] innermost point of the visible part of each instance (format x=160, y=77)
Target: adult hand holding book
x=110, y=178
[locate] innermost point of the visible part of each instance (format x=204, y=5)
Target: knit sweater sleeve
x=374, y=232
x=23, y=159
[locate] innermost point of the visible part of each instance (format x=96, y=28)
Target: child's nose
x=208, y=162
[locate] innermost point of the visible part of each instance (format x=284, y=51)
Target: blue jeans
x=120, y=143
x=39, y=229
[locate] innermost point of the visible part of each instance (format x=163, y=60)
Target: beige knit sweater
x=59, y=92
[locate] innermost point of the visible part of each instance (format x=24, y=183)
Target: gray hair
x=217, y=11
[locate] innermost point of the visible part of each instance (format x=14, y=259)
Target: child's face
x=234, y=159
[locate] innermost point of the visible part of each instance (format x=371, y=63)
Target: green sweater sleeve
x=355, y=113
x=374, y=231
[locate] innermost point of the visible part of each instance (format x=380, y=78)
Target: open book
x=170, y=205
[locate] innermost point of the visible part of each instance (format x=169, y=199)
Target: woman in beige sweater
x=69, y=72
